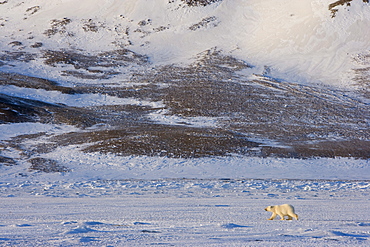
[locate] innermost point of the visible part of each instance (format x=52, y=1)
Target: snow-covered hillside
x=249, y=68
x=310, y=40
x=176, y=122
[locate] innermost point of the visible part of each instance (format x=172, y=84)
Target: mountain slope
x=184, y=79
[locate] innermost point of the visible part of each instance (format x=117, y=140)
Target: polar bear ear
x=272, y=206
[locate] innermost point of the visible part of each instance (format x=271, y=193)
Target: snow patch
x=80, y=100
x=7, y=131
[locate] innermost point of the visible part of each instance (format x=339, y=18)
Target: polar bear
x=282, y=210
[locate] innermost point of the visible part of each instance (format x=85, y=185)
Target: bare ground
x=257, y=117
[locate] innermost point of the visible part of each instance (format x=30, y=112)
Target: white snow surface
x=298, y=40
x=110, y=200
x=107, y=200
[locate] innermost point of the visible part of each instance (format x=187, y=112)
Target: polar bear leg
x=272, y=216
x=290, y=216
x=281, y=217
x=295, y=216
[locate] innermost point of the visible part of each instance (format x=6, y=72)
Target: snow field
x=139, y=220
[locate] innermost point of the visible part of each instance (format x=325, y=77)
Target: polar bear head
x=269, y=208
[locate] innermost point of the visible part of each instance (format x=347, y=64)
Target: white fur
x=282, y=210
